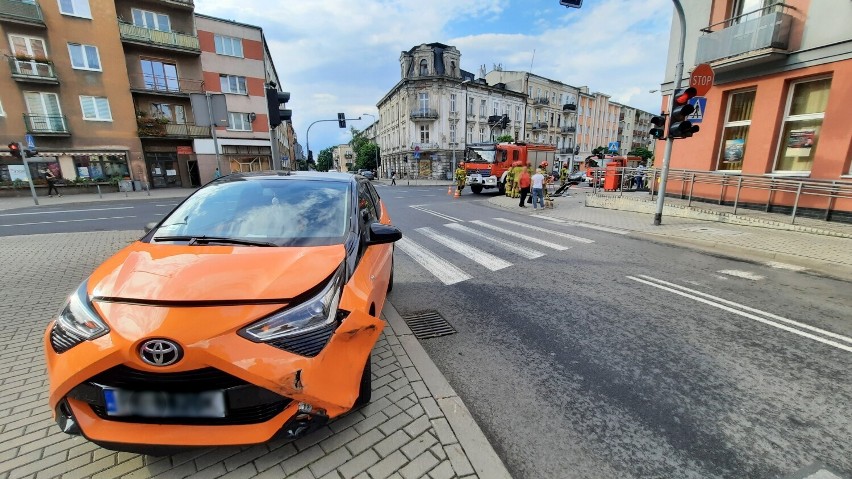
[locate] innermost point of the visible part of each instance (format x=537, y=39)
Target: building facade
x=426, y=119
x=343, y=157
x=778, y=104
x=634, y=126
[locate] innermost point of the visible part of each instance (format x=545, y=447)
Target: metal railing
x=541, y=101
x=569, y=107
x=424, y=114
x=181, y=41
x=16, y=10
x=165, y=84
x=46, y=124
x=768, y=27
x=568, y=129
x=187, y=130
x=539, y=125
x=32, y=70
x=729, y=184
x=180, y=3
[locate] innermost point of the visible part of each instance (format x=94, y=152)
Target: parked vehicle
x=367, y=174
x=250, y=310
x=487, y=164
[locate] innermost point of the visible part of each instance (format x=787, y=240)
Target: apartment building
x=634, y=126
x=68, y=88
x=422, y=129
x=343, y=157
x=597, y=121
x=235, y=61
x=778, y=106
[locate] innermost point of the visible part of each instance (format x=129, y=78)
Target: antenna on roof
x=533, y=60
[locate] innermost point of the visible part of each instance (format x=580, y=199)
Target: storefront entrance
x=163, y=170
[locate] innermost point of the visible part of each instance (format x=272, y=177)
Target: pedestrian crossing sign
x=700, y=103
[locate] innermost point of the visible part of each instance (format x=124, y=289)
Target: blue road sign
x=30, y=142
x=613, y=146
x=700, y=104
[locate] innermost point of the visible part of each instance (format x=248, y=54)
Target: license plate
x=120, y=402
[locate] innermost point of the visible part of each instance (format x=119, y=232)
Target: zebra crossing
x=490, y=245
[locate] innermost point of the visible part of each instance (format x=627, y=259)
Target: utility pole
x=667, y=156
x=308, y=133
x=213, y=125
x=379, y=170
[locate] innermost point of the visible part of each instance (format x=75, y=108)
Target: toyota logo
x=160, y=352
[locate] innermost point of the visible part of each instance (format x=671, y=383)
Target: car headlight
x=77, y=322
x=315, y=313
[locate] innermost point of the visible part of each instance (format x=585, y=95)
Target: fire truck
x=486, y=164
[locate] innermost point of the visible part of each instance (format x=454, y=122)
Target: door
x=163, y=168
x=194, y=175
x=161, y=76
x=45, y=113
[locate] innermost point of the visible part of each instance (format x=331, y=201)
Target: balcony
x=566, y=151
x=164, y=85
x=568, y=129
x=188, y=4
x=747, y=43
x=155, y=38
x=540, y=102
x=494, y=119
x=424, y=114
x=32, y=71
x=424, y=146
x=539, y=125
x=46, y=125
x=569, y=108
x=158, y=128
x=22, y=12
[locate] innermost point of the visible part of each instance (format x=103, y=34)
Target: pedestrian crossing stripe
x=548, y=244
x=442, y=269
x=473, y=253
x=545, y=230
x=527, y=253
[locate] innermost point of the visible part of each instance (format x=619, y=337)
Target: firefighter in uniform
x=542, y=168
x=516, y=192
x=563, y=175
x=461, y=177
x=510, y=181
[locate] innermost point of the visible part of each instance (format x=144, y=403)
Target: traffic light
x=310, y=156
x=275, y=100
x=657, y=132
x=680, y=127
x=15, y=150
x=571, y=3
x=504, y=122
x=341, y=120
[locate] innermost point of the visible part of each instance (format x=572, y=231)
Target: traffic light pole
x=308, y=135
x=27, y=171
x=667, y=156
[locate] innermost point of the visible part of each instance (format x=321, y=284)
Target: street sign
x=701, y=79
x=613, y=146
x=30, y=142
x=700, y=104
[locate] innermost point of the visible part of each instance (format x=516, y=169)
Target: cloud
x=343, y=56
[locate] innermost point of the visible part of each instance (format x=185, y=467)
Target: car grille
x=62, y=340
x=245, y=403
x=308, y=344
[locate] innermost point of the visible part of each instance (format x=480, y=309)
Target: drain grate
x=428, y=324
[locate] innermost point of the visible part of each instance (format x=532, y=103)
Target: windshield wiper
x=202, y=240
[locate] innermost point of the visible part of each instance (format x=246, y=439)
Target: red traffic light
x=15, y=150
x=685, y=96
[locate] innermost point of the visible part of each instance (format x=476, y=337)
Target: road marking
x=471, y=252
x=548, y=244
x=525, y=252
x=545, y=230
x=439, y=267
x=171, y=204
x=70, y=221
x=742, y=274
x=435, y=213
x=67, y=211
x=582, y=225
x=729, y=306
x=791, y=267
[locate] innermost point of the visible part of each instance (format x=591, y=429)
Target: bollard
x=148, y=190
x=99, y=192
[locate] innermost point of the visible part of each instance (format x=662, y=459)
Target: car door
x=370, y=279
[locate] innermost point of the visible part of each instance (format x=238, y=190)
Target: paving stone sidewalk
x=407, y=431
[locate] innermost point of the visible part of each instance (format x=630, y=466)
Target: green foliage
x=505, y=138
x=643, y=152
x=325, y=159
x=365, y=150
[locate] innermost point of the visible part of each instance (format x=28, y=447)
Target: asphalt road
x=82, y=217
x=619, y=357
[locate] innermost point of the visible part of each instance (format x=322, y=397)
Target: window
x=424, y=133
x=84, y=57
x=802, y=124
x=481, y=135
x=470, y=134
x=152, y=20
x=32, y=47
x=75, y=8
x=239, y=121
x=495, y=107
x=423, y=101
x=735, y=130
x=233, y=84
x=424, y=68
x=228, y=46
x=157, y=75
x=173, y=113
x=470, y=106
x=452, y=132
x=44, y=112
x=452, y=102
x=95, y=108
x=518, y=113
x=483, y=107
x=751, y=7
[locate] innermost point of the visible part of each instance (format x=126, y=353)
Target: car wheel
x=477, y=189
x=365, y=391
x=501, y=188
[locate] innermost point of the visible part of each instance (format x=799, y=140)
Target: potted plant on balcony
x=150, y=126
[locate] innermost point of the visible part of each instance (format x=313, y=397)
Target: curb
x=479, y=451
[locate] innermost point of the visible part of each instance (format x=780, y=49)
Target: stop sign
x=701, y=79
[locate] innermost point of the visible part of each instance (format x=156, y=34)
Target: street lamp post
x=376, y=142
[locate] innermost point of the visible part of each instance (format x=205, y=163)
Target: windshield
x=281, y=212
x=476, y=155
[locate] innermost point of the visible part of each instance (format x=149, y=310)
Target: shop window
x=735, y=130
x=802, y=124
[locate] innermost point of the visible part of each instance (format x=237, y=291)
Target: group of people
x=521, y=182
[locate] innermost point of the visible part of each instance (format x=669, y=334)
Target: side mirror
x=383, y=234
x=150, y=226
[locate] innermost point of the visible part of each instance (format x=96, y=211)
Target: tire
x=501, y=187
x=477, y=189
x=365, y=390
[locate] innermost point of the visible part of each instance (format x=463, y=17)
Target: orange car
x=249, y=312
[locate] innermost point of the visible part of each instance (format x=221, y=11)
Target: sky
x=343, y=55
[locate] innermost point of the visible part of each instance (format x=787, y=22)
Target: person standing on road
x=639, y=176
x=460, y=178
x=563, y=175
x=538, y=189
x=51, y=183
x=524, y=185
x=393, y=178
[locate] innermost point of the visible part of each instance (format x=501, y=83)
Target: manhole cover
x=428, y=324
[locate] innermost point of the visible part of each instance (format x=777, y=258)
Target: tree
x=505, y=138
x=325, y=160
x=643, y=152
x=365, y=150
